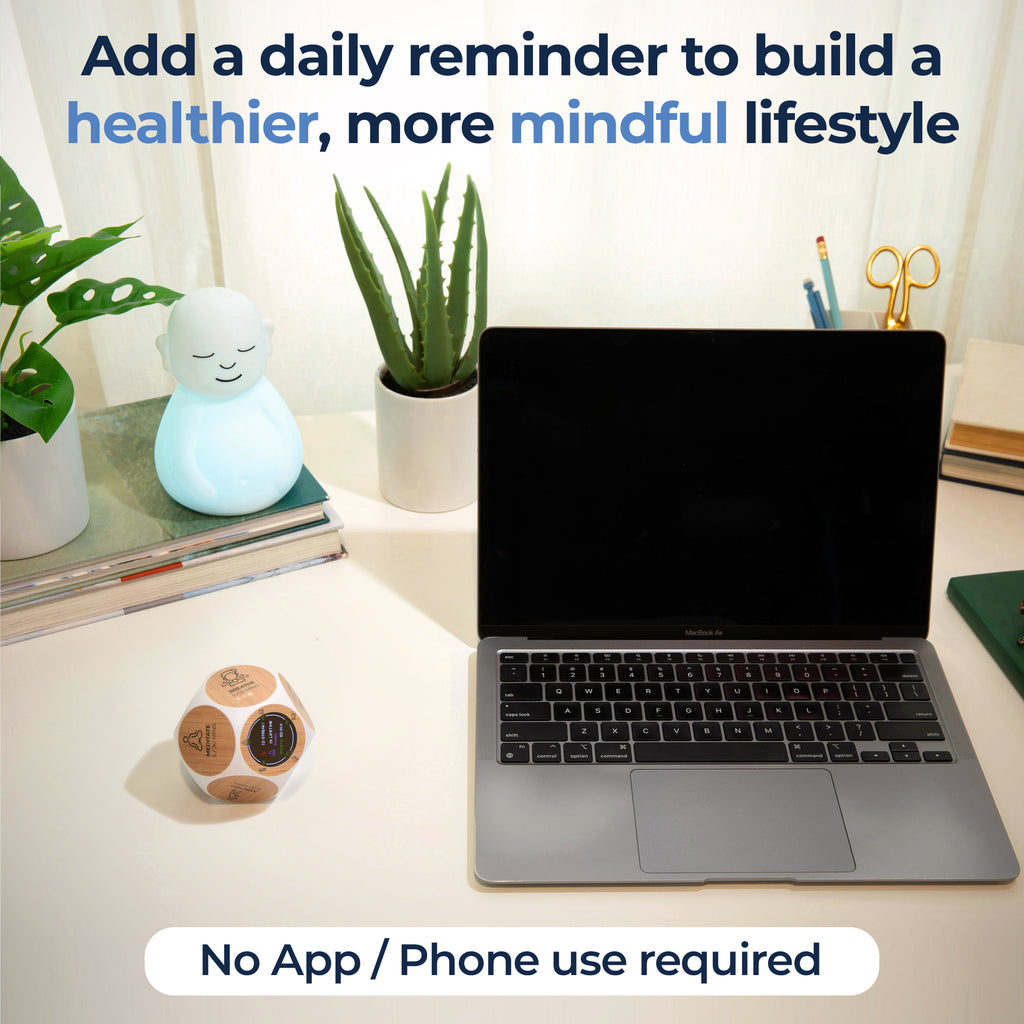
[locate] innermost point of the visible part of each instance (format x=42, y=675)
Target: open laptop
x=704, y=583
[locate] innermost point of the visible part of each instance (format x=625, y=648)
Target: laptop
x=704, y=583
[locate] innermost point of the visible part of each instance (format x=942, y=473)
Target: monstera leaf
x=37, y=391
x=88, y=298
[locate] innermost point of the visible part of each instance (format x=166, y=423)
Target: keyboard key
x=767, y=731
x=778, y=711
x=737, y=732
x=718, y=712
x=938, y=756
x=580, y=731
x=510, y=656
x=875, y=756
x=822, y=657
x=607, y=657
x=864, y=673
x=690, y=673
x=829, y=731
x=605, y=753
x=576, y=657
x=572, y=673
x=647, y=691
x=914, y=691
x=668, y=657
x=906, y=756
x=910, y=710
x=861, y=732
x=588, y=691
x=842, y=752
x=660, y=673
x=883, y=657
x=676, y=731
x=799, y=731
x=525, y=711
x=627, y=711
x=707, y=691
x=543, y=673
x=558, y=691
x=514, y=673
x=514, y=753
x=530, y=732
x=748, y=711
x=601, y=673
x=657, y=711
x=731, y=658
x=884, y=691
x=577, y=753
x=544, y=656
x=792, y=657
x=630, y=673
x=611, y=731
x=707, y=732
x=547, y=753
x=761, y=657
x=689, y=711
x=825, y=691
x=802, y=753
x=566, y=711
x=521, y=691
x=900, y=674
x=748, y=673
x=678, y=691
x=618, y=691
x=909, y=731
x=777, y=673
x=838, y=710
x=835, y=673
x=638, y=657
x=736, y=691
x=868, y=710
x=715, y=753
x=853, y=657
x=767, y=691
x=808, y=711
x=645, y=731
x=718, y=673
x=806, y=673
x=796, y=691
x=597, y=711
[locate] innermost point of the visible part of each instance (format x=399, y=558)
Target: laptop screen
x=681, y=484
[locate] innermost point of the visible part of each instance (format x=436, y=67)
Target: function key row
x=631, y=672
x=708, y=657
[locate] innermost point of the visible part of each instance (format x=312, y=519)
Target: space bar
x=716, y=753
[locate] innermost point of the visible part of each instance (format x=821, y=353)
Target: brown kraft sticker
x=242, y=789
x=206, y=740
x=241, y=686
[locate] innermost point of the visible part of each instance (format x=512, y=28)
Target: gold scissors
x=892, y=321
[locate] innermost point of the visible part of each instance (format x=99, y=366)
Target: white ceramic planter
x=43, y=498
x=426, y=448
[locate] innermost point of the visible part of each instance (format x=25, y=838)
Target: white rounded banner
x=512, y=961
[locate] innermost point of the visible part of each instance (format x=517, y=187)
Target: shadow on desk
x=435, y=572
x=160, y=782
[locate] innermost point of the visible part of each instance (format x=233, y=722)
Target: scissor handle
x=910, y=255
x=892, y=284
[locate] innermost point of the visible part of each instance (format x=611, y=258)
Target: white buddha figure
x=227, y=443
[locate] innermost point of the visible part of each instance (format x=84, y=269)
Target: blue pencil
x=830, y=288
x=818, y=314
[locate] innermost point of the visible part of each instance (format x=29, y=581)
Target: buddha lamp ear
x=161, y=347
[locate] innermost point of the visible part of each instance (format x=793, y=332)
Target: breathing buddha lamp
x=227, y=443
x=243, y=734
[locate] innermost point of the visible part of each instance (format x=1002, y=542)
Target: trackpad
x=714, y=821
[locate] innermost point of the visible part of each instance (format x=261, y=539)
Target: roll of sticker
x=243, y=734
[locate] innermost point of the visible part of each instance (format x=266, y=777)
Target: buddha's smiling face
x=216, y=343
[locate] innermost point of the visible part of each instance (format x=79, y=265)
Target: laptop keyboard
x=716, y=707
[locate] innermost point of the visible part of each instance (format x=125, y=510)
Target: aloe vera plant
x=37, y=391
x=440, y=350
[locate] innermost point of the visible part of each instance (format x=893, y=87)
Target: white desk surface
x=104, y=843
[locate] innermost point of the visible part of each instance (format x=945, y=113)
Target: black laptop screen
x=704, y=484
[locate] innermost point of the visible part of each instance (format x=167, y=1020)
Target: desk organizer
x=865, y=320
x=243, y=734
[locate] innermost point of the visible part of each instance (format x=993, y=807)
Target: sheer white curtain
x=640, y=234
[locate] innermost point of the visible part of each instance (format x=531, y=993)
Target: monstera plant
x=37, y=393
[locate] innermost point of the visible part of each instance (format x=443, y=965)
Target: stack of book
x=985, y=441
x=141, y=548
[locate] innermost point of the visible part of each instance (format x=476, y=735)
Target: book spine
x=1003, y=651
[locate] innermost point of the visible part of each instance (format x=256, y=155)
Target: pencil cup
x=865, y=320
x=243, y=734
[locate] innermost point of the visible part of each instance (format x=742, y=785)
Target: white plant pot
x=426, y=448
x=43, y=498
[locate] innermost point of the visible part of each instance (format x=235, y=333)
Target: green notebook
x=990, y=602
